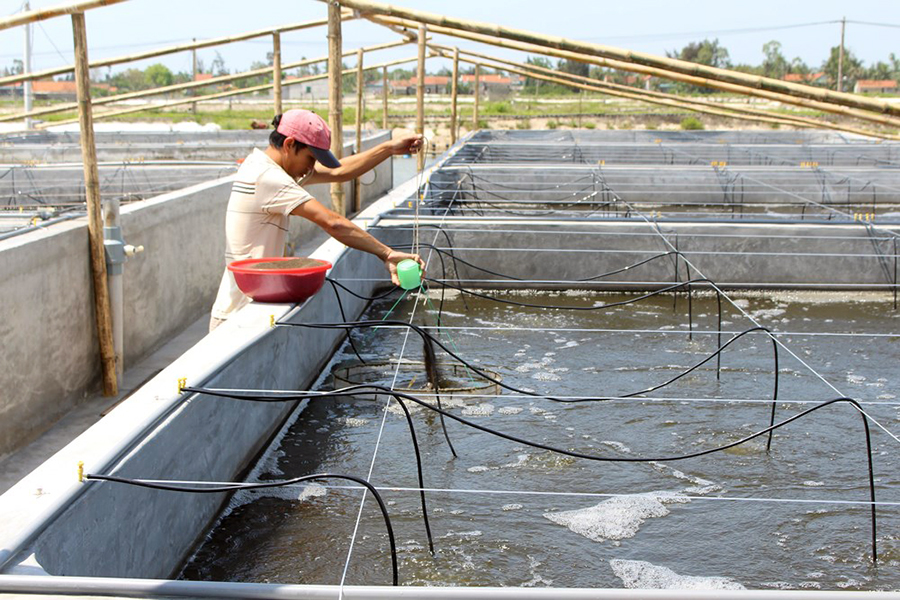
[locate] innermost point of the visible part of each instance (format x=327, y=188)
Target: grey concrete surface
x=46, y=311
x=223, y=145
x=203, y=438
x=733, y=254
x=18, y=464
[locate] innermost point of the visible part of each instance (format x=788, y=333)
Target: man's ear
x=288, y=144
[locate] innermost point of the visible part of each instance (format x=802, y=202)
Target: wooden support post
x=454, y=91
x=276, y=71
x=384, y=98
x=420, y=97
x=194, y=73
x=357, y=183
x=335, y=98
x=95, y=220
x=477, y=96
x=840, y=77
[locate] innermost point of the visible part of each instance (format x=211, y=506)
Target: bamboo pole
x=40, y=14
x=420, y=97
x=384, y=98
x=661, y=73
x=633, y=96
x=216, y=96
x=477, y=96
x=170, y=50
x=454, y=90
x=335, y=99
x=798, y=120
x=750, y=82
x=194, y=72
x=276, y=71
x=194, y=84
x=357, y=183
x=95, y=219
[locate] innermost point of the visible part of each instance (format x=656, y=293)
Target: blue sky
x=649, y=26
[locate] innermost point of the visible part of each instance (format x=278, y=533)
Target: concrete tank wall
x=225, y=145
x=778, y=255
x=46, y=312
x=114, y=530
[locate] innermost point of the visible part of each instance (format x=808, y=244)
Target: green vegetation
x=552, y=124
x=689, y=123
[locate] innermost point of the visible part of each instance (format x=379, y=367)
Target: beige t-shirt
x=256, y=221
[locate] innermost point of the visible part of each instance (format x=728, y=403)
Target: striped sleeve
x=279, y=193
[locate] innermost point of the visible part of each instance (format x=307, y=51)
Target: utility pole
x=26, y=68
x=840, y=81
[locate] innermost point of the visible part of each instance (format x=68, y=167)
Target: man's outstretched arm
x=344, y=231
x=361, y=162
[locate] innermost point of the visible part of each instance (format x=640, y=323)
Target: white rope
x=389, y=398
x=755, y=322
x=641, y=399
x=526, y=492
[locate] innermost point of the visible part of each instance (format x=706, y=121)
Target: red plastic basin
x=278, y=285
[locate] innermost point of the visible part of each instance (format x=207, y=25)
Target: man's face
x=296, y=163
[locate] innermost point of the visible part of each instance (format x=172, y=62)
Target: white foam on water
x=481, y=410
x=521, y=459
x=617, y=445
x=449, y=294
x=545, y=376
x=478, y=469
x=353, y=421
x=509, y=410
x=242, y=497
x=767, y=313
x=508, y=507
x=617, y=518
x=814, y=483
x=639, y=574
x=462, y=534
x=536, y=579
x=857, y=379
x=529, y=366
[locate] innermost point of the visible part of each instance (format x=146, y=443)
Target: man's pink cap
x=309, y=128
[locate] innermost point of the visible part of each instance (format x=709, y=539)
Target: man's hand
x=395, y=257
x=409, y=144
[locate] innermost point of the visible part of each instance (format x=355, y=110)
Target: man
x=267, y=191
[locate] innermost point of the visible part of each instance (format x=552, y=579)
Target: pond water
x=507, y=514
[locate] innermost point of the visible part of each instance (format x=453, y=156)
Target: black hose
x=232, y=487
x=631, y=459
x=421, y=332
x=412, y=433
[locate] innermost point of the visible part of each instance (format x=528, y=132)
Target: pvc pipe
x=43, y=224
x=155, y=588
x=117, y=307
